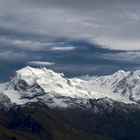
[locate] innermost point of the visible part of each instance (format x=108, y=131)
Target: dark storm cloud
x=86, y=58
x=78, y=36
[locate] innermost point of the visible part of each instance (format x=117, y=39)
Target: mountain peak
x=34, y=84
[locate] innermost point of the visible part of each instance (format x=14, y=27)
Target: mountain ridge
x=40, y=104
x=41, y=84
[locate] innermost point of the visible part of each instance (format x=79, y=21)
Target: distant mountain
x=40, y=104
x=41, y=84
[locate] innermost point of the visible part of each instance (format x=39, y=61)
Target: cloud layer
x=111, y=23
x=79, y=36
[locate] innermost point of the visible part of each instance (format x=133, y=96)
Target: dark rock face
x=118, y=124
x=21, y=85
x=36, y=121
x=17, y=119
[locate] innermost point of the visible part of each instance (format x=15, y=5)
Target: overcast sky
x=113, y=23
x=51, y=30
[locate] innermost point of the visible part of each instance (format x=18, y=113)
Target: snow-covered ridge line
x=41, y=84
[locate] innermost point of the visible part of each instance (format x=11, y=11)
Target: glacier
x=55, y=90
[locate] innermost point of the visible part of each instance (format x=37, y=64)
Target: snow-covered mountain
x=125, y=85
x=55, y=90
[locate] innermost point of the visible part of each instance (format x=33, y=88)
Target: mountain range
x=40, y=104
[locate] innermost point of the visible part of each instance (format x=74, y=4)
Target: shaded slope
x=38, y=122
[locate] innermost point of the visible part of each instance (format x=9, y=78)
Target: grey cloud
x=94, y=20
x=130, y=57
x=40, y=30
x=40, y=63
x=12, y=56
x=59, y=48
